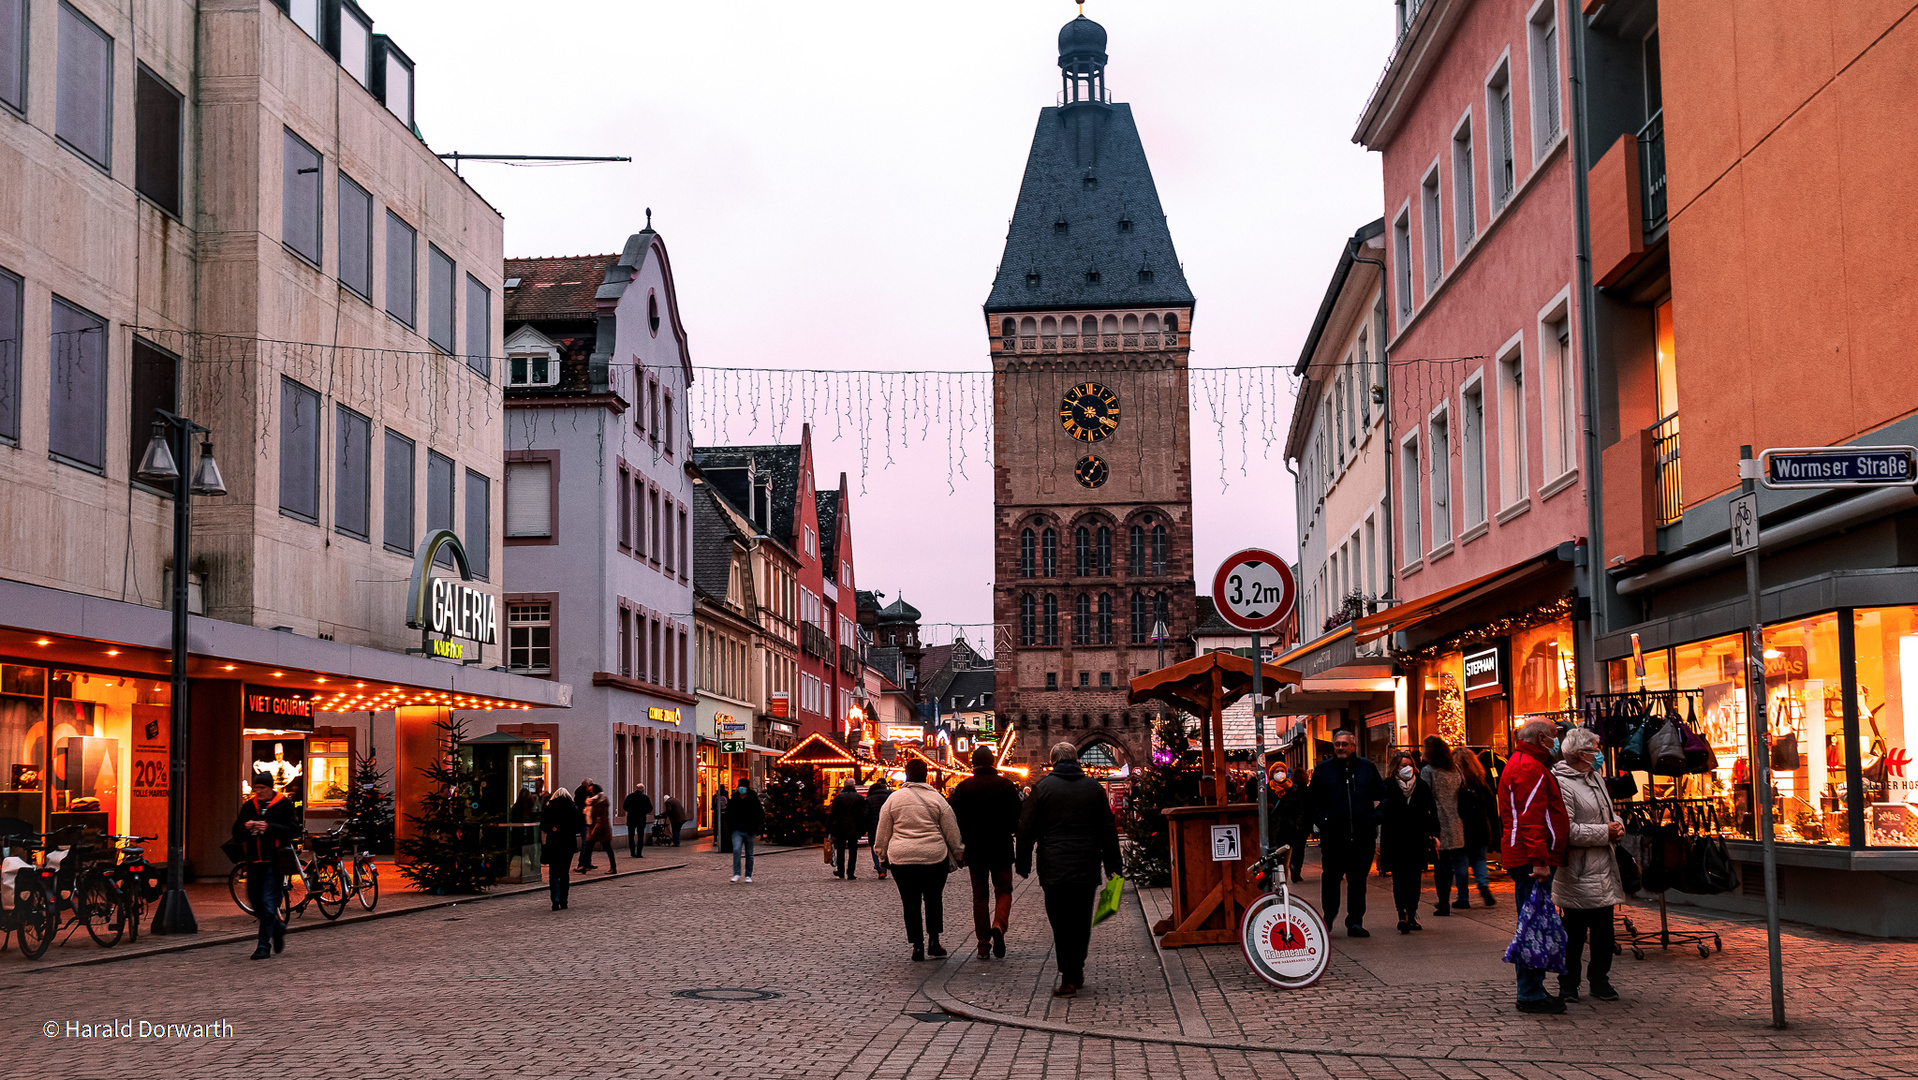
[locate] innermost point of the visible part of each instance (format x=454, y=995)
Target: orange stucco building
x=1751, y=207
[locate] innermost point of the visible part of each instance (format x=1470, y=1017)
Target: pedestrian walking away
x=848, y=825
x=559, y=826
x=599, y=829
x=1478, y=816
x=918, y=841
x=676, y=816
x=1587, y=887
x=263, y=829
x=876, y=795
x=745, y=816
x=1291, y=821
x=1343, y=800
x=1408, y=825
x=1442, y=775
x=639, y=810
x=987, y=806
x=1068, y=821
x=1533, y=833
x=580, y=794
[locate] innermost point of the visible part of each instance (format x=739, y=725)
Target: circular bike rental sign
x=1285, y=941
x=1254, y=590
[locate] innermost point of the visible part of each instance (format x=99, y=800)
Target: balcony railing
x=815, y=642
x=1671, y=489
x=1088, y=342
x=1651, y=171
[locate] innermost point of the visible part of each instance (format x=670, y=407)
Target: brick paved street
x=504, y=987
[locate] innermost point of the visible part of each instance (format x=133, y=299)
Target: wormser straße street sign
x=1839, y=466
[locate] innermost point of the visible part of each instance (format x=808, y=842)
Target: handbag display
x=1622, y=787
x=1784, y=753
x=1708, y=867
x=1666, y=749
x=1629, y=878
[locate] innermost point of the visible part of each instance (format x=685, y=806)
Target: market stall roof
x=1205, y=683
x=935, y=763
x=1412, y=612
x=817, y=749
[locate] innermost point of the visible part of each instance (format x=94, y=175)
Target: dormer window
x=1145, y=276
x=1125, y=224
x=1060, y=226
x=356, y=43
x=532, y=360
x=1092, y=277
x=1092, y=183
x=393, y=75
x=1032, y=281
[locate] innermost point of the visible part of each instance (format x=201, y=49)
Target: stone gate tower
x=1089, y=322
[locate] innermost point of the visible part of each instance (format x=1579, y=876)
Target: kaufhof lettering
x=462, y=612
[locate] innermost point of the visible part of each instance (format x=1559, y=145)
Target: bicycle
x=27, y=911
x=135, y=881
x=312, y=879
x=1282, y=936
x=363, y=881
x=82, y=885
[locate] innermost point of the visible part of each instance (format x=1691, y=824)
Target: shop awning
x=88, y=633
x=1413, y=612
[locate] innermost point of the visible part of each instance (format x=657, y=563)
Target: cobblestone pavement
x=673, y=975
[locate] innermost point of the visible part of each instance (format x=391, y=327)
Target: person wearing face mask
x=1532, y=839
x=1587, y=887
x=1291, y=822
x=1405, y=840
x=1344, y=799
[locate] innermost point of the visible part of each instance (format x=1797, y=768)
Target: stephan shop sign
x=1482, y=675
x=459, y=613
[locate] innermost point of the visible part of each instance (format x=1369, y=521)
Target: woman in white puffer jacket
x=1587, y=887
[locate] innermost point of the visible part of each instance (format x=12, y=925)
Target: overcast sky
x=833, y=181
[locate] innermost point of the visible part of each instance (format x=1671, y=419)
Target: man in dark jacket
x=1069, y=820
x=1344, y=798
x=744, y=818
x=848, y=825
x=876, y=796
x=263, y=829
x=675, y=816
x=560, y=823
x=638, y=807
x=987, y=806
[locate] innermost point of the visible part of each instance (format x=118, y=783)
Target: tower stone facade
x=1089, y=323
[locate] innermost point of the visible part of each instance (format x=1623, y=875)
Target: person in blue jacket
x=1344, y=798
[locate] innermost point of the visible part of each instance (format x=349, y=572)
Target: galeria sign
x=463, y=612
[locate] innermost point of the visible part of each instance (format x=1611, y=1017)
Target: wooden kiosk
x=1209, y=893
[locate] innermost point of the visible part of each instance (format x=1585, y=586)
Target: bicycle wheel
x=136, y=910
x=331, y=893
x=38, y=921
x=236, y=885
x=295, y=895
x=99, y=906
x=366, y=879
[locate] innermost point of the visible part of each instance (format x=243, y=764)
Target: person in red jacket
x=1534, y=833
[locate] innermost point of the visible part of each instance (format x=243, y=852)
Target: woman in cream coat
x=918, y=841
x=1587, y=886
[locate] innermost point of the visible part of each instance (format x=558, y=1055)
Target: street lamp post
x=170, y=445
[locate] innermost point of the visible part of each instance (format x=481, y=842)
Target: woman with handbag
x=1410, y=823
x=1442, y=775
x=918, y=841
x=1587, y=887
x=1478, y=816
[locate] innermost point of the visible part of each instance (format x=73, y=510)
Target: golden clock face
x=1092, y=471
x=1090, y=412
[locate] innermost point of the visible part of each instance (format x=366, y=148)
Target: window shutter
x=529, y=493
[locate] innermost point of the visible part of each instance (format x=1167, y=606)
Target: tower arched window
x=1027, y=619
x=1082, y=551
x=1109, y=327
x=1008, y=333
x=1171, y=323
x=1151, y=324
x=1049, y=553
x=1104, y=568
x=1131, y=323
x=1028, y=333
x=1091, y=331
x=1051, y=627
x=1028, y=555
x=1082, y=621
x=1162, y=608
x=1141, y=628
x=1105, y=618
x=1160, y=550
x=1135, y=555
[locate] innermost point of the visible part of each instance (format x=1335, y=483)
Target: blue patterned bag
x=1540, y=941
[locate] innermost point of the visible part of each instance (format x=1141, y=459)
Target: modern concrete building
x=224, y=211
x=599, y=515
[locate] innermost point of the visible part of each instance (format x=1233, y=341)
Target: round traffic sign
x=1254, y=590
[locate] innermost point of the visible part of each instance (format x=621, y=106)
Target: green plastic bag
x=1108, y=899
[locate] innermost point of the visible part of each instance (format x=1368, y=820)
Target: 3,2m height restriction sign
x=1254, y=590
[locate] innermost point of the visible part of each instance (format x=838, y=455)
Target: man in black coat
x=560, y=823
x=876, y=796
x=638, y=807
x=744, y=818
x=1069, y=820
x=987, y=806
x=264, y=827
x=848, y=825
x=1344, y=799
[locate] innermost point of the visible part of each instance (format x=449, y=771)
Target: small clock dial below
x=1092, y=471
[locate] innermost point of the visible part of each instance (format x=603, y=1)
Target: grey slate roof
x=889, y=661
x=1074, y=143
x=899, y=611
x=725, y=468
x=713, y=535
x=826, y=505
x=968, y=690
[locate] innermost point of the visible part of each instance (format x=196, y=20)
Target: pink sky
x=833, y=181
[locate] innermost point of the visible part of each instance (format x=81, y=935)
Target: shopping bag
x=1108, y=899
x=1540, y=940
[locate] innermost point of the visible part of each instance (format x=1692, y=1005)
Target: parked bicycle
x=84, y=892
x=312, y=880
x=362, y=878
x=136, y=882
x=27, y=910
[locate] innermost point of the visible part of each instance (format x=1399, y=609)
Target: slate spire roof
x=1087, y=207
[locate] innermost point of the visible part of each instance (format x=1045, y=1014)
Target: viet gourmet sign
x=274, y=709
x=454, y=609
x=1839, y=466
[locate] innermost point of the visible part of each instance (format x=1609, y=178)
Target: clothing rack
x=1664, y=936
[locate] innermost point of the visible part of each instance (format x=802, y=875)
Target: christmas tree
x=1171, y=780
x=794, y=813
x=369, y=806
x=1451, y=711
x=444, y=853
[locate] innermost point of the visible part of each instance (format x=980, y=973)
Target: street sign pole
x=1258, y=741
x=1761, y=744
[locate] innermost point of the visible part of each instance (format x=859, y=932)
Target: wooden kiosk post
x=1211, y=886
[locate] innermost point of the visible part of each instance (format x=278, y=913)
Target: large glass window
x=439, y=498
x=155, y=387
x=397, y=531
x=23, y=743
x=13, y=54
x=83, y=109
x=1804, y=706
x=440, y=275
x=77, y=428
x=299, y=451
x=479, y=327
x=479, y=524
x=157, y=142
x=329, y=771
x=10, y=301
x=356, y=237
x=1544, y=678
x=352, y=473
x=300, y=204
x=402, y=253
x=1887, y=680
x=356, y=44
